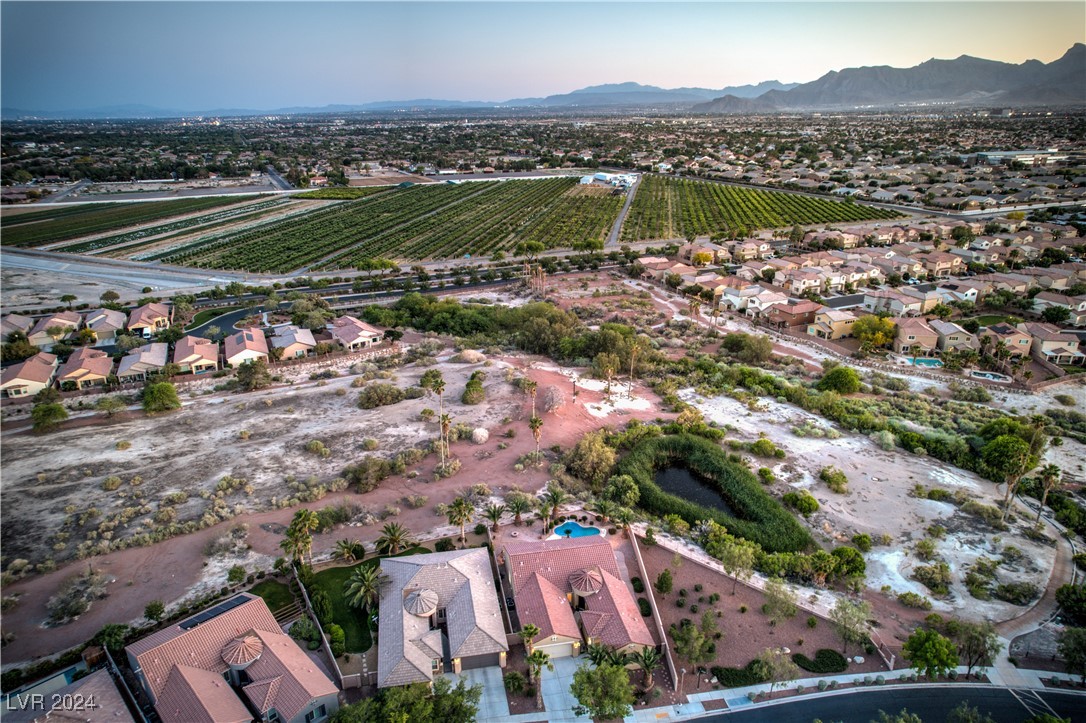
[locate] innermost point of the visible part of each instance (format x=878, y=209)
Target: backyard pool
x=923, y=361
x=572, y=529
x=991, y=376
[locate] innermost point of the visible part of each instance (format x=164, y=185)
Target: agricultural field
x=61, y=223
x=667, y=208
x=340, y=193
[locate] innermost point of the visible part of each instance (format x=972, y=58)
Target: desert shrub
x=935, y=577
x=925, y=549
x=638, y=585
x=111, y=483
x=763, y=447
x=1065, y=399
x=835, y=479
x=965, y=393
x=315, y=446
x=989, y=513
x=380, y=395
x=884, y=440
x=802, y=502
x=663, y=582
x=415, y=501
x=444, y=545
x=765, y=474
x=123, y=445
x=515, y=682
x=1017, y=593
x=643, y=605
x=825, y=661
x=843, y=380
x=912, y=600
x=862, y=542
x=752, y=673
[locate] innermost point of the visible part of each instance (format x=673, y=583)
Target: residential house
x=354, y=334
x=759, y=304
x=953, y=291
x=1053, y=344
x=893, y=301
x=799, y=281
x=230, y=662
x=569, y=585
x=716, y=253
x=736, y=298
x=915, y=337
x=149, y=319
x=62, y=324
x=438, y=613
x=141, y=362
x=793, y=313
x=245, y=345
x=940, y=264
x=952, y=336
x=29, y=376
x=1016, y=341
x=832, y=324
x=1075, y=305
x=105, y=323
x=86, y=367
x=194, y=355
x=15, y=322
x=295, y=342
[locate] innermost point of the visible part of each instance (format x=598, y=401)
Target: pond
x=681, y=482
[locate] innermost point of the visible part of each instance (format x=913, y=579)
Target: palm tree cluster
x=298, y=540
x=647, y=659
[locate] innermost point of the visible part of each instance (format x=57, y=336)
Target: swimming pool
x=572, y=529
x=991, y=376
x=921, y=361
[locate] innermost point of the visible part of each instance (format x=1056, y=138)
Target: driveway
x=493, y=705
x=557, y=698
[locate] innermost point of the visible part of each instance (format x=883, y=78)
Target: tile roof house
x=294, y=341
x=195, y=355
x=245, y=345
x=793, y=313
x=150, y=318
x=69, y=321
x=86, y=367
x=952, y=336
x=585, y=572
x=15, y=322
x=1017, y=341
x=1053, y=344
x=438, y=612
x=354, y=333
x=30, y=376
x=915, y=336
x=105, y=323
x=138, y=363
x=1075, y=305
x=204, y=668
x=99, y=694
x=832, y=324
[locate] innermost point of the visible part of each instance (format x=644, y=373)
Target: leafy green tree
x=111, y=636
x=1072, y=602
x=591, y=458
x=903, y=716
x=930, y=653
x=840, y=379
x=110, y=405
x=696, y=643
x=622, y=490
x=965, y=713
x=603, y=693
x=978, y=643
x=160, y=397
x=254, y=374
x=780, y=601
x=16, y=348
x=47, y=416
x=874, y=332
x=1056, y=314
x=1072, y=649
x=663, y=582
x=1008, y=457
x=778, y=666
x=110, y=296
x=849, y=618
x=155, y=610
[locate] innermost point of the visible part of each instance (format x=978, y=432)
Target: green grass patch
x=758, y=516
x=340, y=193
x=275, y=594
x=358, y=638
x=202, y=317
x=990, y=319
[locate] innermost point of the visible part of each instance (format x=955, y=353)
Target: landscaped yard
x=202, y=317
x=332, y=581
x=275, y=594
x=989, y=319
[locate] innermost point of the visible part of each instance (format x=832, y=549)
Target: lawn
x=989, y=319
x=332, y=580
x=202, y=317
x=275, y=594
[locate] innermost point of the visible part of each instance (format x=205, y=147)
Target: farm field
x=340, y=193
x=666, y=208
x=61, y=223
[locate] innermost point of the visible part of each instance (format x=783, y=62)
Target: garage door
x=480, y=661
x=557, y=650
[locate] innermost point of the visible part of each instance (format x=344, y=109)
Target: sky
x=266, y=55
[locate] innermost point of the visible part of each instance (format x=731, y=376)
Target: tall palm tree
x=394, y=537
x=531, y=387
x=638, y=345
x=1050, y=481
x=536, y=425
x=493, y=513
x=434, y=383
x=605, y=509
x=527, y=634
x=554, y=497
x=537, y=660
x=648, y=659
x=624, y=517
x=292, y=546
x=363, y=589
x=460, y=512
x=446, y=425
x=304, y=522
x=518, y=505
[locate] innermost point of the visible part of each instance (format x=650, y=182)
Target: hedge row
x=825, y=661
x=759, y=517
x=752, y=673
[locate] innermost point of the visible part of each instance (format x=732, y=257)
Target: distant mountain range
x=964, y=80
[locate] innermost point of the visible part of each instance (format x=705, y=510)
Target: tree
x=849, y=619
x=1073, y=651
x=696, y=643
x=965, y=713
x=604, y=692
x=434, y=383
x=68, y=299
x=840, y=379
x=363, y=589
x=663, y=582
x=394, y=537
x=778, y=666
x=930, y=653
x=591, y=458
x=1050, y=481
x=47, y=416
x=622, y=490
x=737, y=556
x=648, y=659
x=1072, y=602
x=155, y=610
x=292, y=545
x=110, y=405
x=780, y=601
x=111, y=636
x=1056, y=314
x=109, y=296
x=254, y=374
x=553, y=498
x=301, y=527
x=127, y=342
x=1008, y=457
x=903, y=716
x=537, y=660
x=518, y=503
x=416, y=702
x=978, y=643
x=605, y=366
x=460, y=512
x=493, y=513
x=348, y=550
x=536, y=425
x=160, y=397
x=874, y=332
x=527, y=635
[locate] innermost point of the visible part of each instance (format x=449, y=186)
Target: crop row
x=676, y=208
x=92, y=219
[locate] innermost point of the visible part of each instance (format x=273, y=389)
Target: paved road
x=58, y=197
x=277, y=180
x=612, y=240
x=931, y=703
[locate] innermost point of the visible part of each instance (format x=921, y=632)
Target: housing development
x=655, y=406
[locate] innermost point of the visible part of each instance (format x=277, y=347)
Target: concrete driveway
x=493, y=705
x=557, y=698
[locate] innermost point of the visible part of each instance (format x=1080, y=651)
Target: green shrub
x=862, y=542
x=638, y=585
x=802, y=502
x=1072, y=602
x=1017, y=593
x=912, y=600
x=379, y=395
x=825, y=661
x=444, y=545
x=643, y=605
x=843, y=380
x=111, y=483
x=473, y=390
x=337, y=639
x=663, y=582
x=515, y=682
x=752, y=673
x=1065, y=399
x=812, y=622
x=935, y=577
x=765, y=474
x=989, y=513
x=835, y=479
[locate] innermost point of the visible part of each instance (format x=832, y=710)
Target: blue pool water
x=925, y=362
x=572, y=529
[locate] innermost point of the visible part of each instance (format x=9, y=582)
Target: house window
x=911, y=338
x=318, y=713
x=273, y=716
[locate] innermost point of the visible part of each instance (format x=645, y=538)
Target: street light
x=682, y=676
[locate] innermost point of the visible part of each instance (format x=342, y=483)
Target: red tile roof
x=613, y=616
x=38, y=368
x=194, y=695
x=542, y=604
x=556, y=560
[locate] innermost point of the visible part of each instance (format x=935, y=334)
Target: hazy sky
x=207, y=55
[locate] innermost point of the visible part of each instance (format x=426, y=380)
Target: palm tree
x=394, y=537
x=648, y=659
x=494, y=513
x=460, y=512
x=434, y=383
x=518, y=505
x=304, y=522
x=363, y=589
x=531, y=387
x=601, y=654
x=637, y=346
x=348, y=551
x=446, y=425
x=292, y=546
x=536, y=425
x=605, y=509
x=1050, y=481
x=537, y=660
x=624, y=517
x=553, y=498
x=527, y=634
